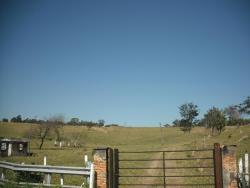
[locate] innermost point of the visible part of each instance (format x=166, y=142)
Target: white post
x=2, y=174
x=92, y=176
x=47, y=177
x=45, y=160
x=240, y=166
x=85, y=160
x=61, y=179
x=246, y=168
x=9, y=149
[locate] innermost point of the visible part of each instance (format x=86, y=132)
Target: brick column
x=229, y=165
x=101, y=168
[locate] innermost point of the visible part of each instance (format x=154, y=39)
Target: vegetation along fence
x=168, y=168
x=47, y=171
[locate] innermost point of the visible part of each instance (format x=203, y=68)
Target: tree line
x=59, y=120
x=216, y=119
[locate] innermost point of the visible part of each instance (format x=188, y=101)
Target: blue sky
x=129, y=62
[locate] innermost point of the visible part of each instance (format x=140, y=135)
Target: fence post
x=240, y=166
x=229, y=164
x=110, y=168
x=101, y=167
x=246, y=168
x=218, y=166
x=61, y=179
x=3, y=174
x=116, y=169
x=92, y=176
x=47, y=177
x=164, y=172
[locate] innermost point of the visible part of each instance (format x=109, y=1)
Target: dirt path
x=156, y=172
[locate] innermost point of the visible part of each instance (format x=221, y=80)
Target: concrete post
x=61, y=179
x=101, y=168
x=47, y=177
x=229, y=164
x=3, y=174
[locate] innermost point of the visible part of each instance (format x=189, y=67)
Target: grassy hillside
x=124, y=139
x=121, y=138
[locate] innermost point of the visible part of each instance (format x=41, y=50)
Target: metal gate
x=168, y=168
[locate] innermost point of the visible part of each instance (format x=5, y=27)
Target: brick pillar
x=101, y=168
x=229, y=164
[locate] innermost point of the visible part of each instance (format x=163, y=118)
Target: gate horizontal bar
x=180, y=167
x=199, y=158
x=167, y=176
x=166, y=151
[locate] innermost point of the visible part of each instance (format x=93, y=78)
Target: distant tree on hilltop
x=74, y=121
x=215, y=119
x=5, y=120
x=188, y=112
x=233, y=115
x=176, y=123
x=17, y=119
x=245, y=106
x=101, y=122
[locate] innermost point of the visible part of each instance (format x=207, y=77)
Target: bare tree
x=43, y=130
x=56, y=122
x=232, y=112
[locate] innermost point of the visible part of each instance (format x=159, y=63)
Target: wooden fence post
x=218, y=166
x=116, y=169
x=110, y=168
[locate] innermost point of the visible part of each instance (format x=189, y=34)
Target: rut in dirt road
x=159, y=181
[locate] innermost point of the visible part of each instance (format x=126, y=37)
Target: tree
x=101, y=122
x=233, y=115
x=188, y=112
x=56, y=123
x=232, y=112
x=5, y=120
x=74, y=121
x=166, y=125
x=176, y=123
x=43, y=131
x=215, y=119
x=245, y=106
x=17, y=119
x=46, y=128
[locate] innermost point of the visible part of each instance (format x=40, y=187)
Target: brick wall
x=229, y=167
x=100, y=164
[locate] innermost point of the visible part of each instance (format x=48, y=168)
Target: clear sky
x=130, y=62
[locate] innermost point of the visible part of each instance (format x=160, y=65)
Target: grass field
x=123, y=138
